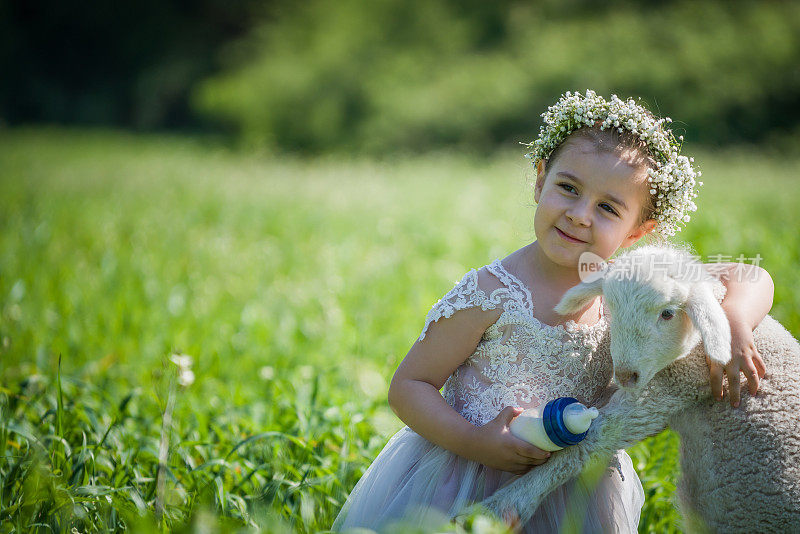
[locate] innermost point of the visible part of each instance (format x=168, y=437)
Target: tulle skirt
x=416, y=483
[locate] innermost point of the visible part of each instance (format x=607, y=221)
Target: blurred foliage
x=416, y=74
x=129, y=63
x=382, y=75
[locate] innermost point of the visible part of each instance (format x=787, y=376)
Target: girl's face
x=589, y=201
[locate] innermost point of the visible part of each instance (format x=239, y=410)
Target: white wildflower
x=186, y=377
x=185, y=373
x=181, y=360
x=266, y=372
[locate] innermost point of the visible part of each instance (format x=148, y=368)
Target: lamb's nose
x=626, y=377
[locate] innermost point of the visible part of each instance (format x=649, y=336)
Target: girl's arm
x=414, y=396
x=747, y=301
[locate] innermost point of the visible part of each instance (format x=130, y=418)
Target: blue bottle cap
x=554, y=427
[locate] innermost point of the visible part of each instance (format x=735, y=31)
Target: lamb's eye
x=667, y=314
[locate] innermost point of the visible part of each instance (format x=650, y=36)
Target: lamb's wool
x=741, y=467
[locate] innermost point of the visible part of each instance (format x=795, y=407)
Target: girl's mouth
x=568, y=237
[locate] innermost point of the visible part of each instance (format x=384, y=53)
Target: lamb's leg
x=624, y=421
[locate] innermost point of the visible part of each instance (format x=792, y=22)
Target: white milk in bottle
x=559, y=423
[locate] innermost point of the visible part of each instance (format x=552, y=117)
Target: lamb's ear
x=576, y=298
x=709, y=319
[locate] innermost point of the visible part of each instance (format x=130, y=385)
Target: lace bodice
x=519, y=360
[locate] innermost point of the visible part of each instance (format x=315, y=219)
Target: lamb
x=741, y=467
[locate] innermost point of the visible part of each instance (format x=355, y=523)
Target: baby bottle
x=559, y=423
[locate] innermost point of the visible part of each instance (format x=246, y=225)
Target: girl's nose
x=578, y=214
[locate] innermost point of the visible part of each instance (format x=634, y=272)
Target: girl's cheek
x=606, y=226
x=556, y=198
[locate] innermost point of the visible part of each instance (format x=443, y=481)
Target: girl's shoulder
x=496, y=282
x=490, y=288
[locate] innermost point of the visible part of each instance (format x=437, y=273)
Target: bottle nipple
x=578, y=418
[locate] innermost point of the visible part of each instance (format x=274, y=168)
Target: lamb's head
x=661, y=304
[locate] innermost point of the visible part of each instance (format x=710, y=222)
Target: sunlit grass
x=296, y=286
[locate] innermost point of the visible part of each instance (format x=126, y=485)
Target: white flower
x=266, y=372
x=184, y=363
x=181, y=360
x=186, y=377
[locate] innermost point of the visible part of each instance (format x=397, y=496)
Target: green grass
x=296, y=285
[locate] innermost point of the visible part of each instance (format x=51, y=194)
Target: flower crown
x=673, y=180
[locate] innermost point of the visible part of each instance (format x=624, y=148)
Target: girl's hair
x=616, y=142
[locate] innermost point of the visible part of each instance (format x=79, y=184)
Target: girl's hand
x=502, y=450
x=744, y=358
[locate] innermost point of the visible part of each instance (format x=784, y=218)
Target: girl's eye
x=608, y=208
x=667, y=314
x=567, y=187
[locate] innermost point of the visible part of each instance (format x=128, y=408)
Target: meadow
x=296, y=285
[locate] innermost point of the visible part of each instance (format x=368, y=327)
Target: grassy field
x=295, y=285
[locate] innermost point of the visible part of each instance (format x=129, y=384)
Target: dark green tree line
x=380, y=75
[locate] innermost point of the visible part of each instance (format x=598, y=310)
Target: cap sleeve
x=465, y=294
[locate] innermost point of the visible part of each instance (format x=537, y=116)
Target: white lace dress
x=519, y=361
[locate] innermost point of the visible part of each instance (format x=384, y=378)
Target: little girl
x=608, y=173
